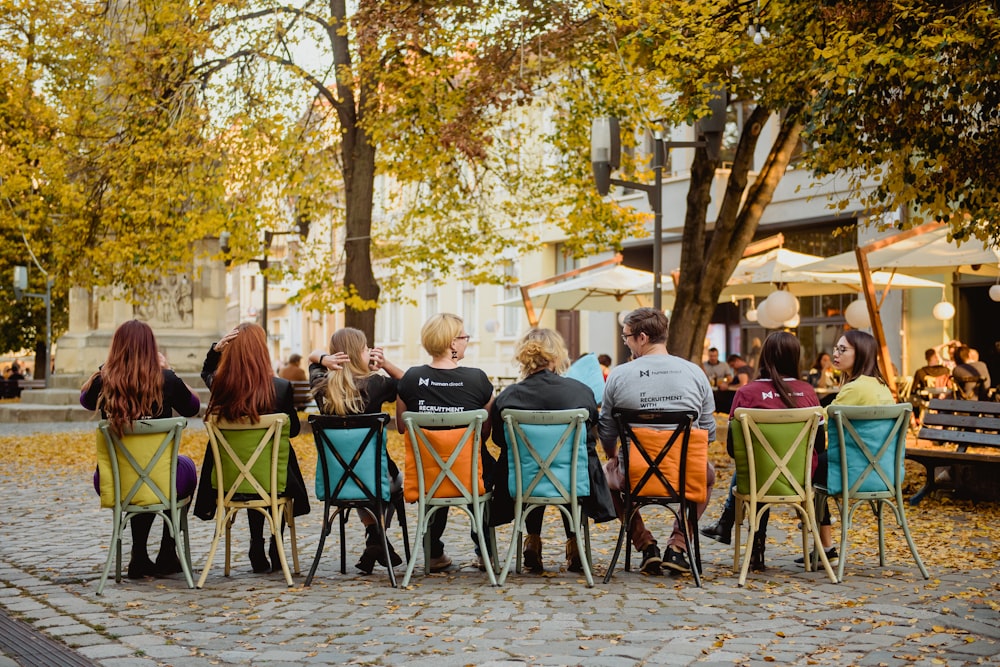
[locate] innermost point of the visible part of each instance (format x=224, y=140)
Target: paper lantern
x=752, y=314
x=857, y=315
x=994, y=294
x=794, y=322
x=943, y=311
x=782, y=305
x=765, y=318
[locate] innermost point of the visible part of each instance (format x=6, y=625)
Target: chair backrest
x=866, y=446
x=351, y=460
x=444, y=455
x=656, y=443
x=140, y=467
x=250, y=458
x=547, y=453
x=971, y=388
x=776, y=446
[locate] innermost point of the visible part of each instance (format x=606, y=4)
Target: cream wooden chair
x=139, y=476
x=774, y=451
x=251, y=462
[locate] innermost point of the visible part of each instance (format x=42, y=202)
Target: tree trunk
x=705, y=270
x=359, y=279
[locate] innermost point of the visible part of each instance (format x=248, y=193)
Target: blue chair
x=547, y=456
x=352, y=472
x=866, y=452
x=139, y=476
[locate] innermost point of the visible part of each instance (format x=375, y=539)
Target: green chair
x=139, y=476
x=547, y=456
x=251, y=462
x=444, y=470
x=774, y=452
x=352, y=472
x=866, y=451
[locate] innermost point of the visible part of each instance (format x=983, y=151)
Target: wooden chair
x=352, y=472
x=663, y=466
x=138, y=475
x=444, y=470
x=774, y=451
x=251, y=462
x=547, y=451
x=866, y=451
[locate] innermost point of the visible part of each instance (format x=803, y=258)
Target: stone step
x=21, y=413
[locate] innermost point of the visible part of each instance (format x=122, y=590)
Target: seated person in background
x=292, y=371
x=934, y=374
x=742, y=372
x=821, y=375
x=972, y=377
x=716, y=369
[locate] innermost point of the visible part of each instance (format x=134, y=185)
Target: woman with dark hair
x=776, y=387
x=238, y=372
x=346, y=381
x=542, y=356
x=135, y=382
x=856, y=357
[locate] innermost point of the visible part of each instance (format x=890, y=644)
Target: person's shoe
x=480, y=563
x=651, y=561
x=373, y=540
x=573, y=562
x=368, y=558
x=831, y=554
x=167, y=564
x=757, y=556
x=719, y=532
x=141, y=568
x=440, y=563
x=533, y=554
x=676, y=560
x=272, y=552
x=258, y=560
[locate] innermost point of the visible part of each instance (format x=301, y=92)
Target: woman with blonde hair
x=135, y=382
x=542, y=357
x=445, y=386
x=346, y=381
x=238, y=372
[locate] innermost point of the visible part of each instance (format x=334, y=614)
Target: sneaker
x=676, y=560
x=533, y=554
x=718, y=532
x=440, y=563
x=651, y=561
x=831, y=554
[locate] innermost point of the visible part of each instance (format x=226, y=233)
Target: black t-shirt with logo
x=437, y=390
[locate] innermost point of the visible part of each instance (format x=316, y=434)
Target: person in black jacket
x=239, y=374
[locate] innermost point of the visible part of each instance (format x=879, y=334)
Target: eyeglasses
x=625, y=337
x=842, y=349
x=466, y=338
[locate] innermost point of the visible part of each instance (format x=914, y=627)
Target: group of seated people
x=962, y=372
x=352, y=378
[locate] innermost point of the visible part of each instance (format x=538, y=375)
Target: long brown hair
x=131, y=378
x=345, y=388
x=243, y=385
x=779, y=359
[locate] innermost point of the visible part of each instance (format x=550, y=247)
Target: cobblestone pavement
x=54, y=543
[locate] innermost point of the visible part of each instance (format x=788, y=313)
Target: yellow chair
x=444, y=470
x=866, y=451
x=138, y=474
x=547, y=452
x=774, y=451
x=251, y=462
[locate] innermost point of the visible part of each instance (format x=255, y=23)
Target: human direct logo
x=423, y=382
x=644, y=374
x=767, y=394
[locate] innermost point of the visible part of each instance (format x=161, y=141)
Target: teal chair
x=866, y=451
x=139, y=476
x=774, y=451
x=352, y=472
x=547, y=462
x=443, y=471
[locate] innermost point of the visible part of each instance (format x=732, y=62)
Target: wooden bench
x=13, y=388
x=302, y=394
x=956, y=425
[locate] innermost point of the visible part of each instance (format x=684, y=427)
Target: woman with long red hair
x=243, y=385
x=135, y=382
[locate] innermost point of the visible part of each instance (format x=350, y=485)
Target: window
x=430, y=296
x=511, y=315
x=469, y=306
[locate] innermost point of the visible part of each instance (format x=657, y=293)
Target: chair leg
x=814, y=528
x=398, y=503
x=583, y=544
x=114, y=550
x=385, y=545
x=738, y=526
x=618, y=547
x=754, y=526
x=514, y=548
x=221, y=524
x=290, y=520
x=179, y=528
x=689, y=514
x=901, y=519
x=275, y=520
x=344, y=515
x=324, y=531
x=487, y=548
x=878, y=508
x=418, y=538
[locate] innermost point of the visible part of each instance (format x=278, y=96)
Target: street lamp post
x=605, y=155
x=20, y=285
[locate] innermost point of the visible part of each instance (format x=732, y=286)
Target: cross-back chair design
x=547, y=455
x=866, y=450
x=664, y=461
x=774, y=451
x=444, y=469
x=138, y=474
x=352, y=472
x=251, y=462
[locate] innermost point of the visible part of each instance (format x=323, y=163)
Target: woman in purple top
x=775, y=388
x=136, y=383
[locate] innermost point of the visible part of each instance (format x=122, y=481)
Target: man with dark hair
x=653, y=380
x=928, y=376
x=971, y=376
x=742, y=371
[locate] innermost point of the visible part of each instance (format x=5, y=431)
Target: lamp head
x=20, y=281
